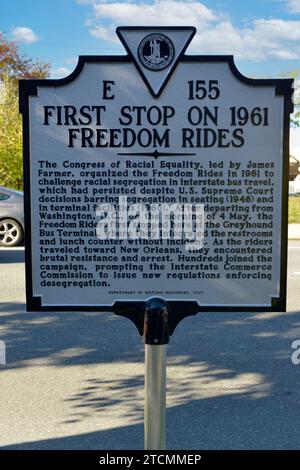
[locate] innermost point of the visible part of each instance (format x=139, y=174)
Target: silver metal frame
x=155, y=397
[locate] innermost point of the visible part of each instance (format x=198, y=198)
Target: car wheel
x=11, y=233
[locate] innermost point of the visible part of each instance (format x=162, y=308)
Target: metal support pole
x=156, y=338
x=155, y=397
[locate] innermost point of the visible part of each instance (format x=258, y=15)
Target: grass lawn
x=294, y=210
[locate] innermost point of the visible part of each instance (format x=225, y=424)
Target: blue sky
x=264, y=35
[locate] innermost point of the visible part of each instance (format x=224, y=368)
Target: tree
x=16, y=66
x=13, y=67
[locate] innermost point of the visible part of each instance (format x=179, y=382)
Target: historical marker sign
x=124, y=157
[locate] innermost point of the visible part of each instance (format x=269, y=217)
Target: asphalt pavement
x=75, y=380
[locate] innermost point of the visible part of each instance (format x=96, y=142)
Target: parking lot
x=75, y=380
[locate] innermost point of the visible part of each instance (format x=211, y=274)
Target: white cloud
x=60, y=72
x=24, y=35
x=162, y=12
x=107, y=33
x=71, y=60
x=165, y=12
x=258, y=40
x=293, y=6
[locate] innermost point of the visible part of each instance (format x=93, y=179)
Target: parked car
x=11, y=217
